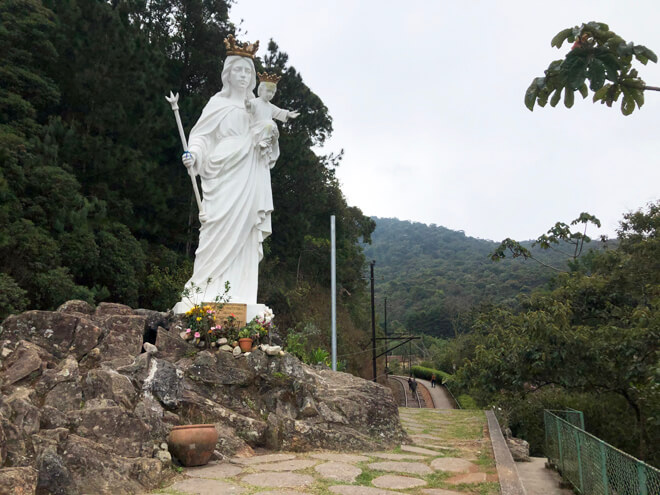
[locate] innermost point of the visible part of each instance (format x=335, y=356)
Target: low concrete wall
x=507, y=472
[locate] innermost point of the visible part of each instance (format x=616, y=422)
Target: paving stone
x=200, y=486
x=467, y=478
x=249, y=461
x=451, y=464
x=360, y=490
x=338, y=471
x=278, y=480
x=397, y=482
x=440, y=491
x=293, y=465
x=283, y=493
x=419, y=450
x=400, y=457
x=402, y=467
x=349, y=458
x=214, y=471
x=425, y=436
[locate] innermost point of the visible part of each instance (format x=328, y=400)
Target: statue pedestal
x=243, y=312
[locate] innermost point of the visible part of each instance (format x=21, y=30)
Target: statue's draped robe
x=237, y=203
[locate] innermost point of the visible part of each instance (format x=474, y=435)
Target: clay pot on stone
x=245, y=344
x=192, y=445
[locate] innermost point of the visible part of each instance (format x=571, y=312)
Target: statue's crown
x=241, y=49
x=266, y=77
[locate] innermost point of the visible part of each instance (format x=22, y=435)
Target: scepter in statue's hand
x=188, y=159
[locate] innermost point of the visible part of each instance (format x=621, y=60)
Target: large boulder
x=88, y=411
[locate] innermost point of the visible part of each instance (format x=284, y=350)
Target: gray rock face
x=124, y=338
x=165, y=382
x=18, y=481
x=83, y=410
x=22, y=363
x=49, y=330
x=108, y=384
x=171, y=346
x=54, y=477
x=76, y=306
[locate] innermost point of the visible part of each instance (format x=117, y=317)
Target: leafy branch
x=604, y=59
x=556, y=238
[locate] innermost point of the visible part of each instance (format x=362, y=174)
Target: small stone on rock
x=150, y=348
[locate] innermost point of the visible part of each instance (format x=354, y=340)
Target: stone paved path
x=451, y=455
x=538, y=480
x=439, y=394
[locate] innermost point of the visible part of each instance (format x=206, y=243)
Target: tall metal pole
x=333, y=288
x=387, y=343
x=373, y=321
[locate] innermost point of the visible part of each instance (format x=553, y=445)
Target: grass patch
x=364, y=479
x=437, y=480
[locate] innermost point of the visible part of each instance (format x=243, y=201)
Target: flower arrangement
x=202, y=324
x=259, y=327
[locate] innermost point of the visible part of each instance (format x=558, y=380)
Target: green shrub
x=467, y=402
x=425, y=373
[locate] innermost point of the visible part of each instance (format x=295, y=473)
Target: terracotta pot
x=245, y=344
x=192, y=445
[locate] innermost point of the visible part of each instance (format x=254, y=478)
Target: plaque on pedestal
x=237, y=310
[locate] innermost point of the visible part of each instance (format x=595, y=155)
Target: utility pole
x=385, y=327
x=373, y=321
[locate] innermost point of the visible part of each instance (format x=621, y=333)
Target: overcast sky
x=427, y=102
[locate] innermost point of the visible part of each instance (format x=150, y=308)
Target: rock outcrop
x=84, y=410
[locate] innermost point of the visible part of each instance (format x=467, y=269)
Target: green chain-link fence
x=592, y=466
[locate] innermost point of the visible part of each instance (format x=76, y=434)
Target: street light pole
x=373, y=321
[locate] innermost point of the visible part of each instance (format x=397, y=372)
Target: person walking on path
x=413, y=385
x=433, y=380
x=410, y=385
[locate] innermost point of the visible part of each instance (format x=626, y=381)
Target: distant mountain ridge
x=432, y=276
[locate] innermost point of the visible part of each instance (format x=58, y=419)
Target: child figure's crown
x=241, y=49
x=271, y=78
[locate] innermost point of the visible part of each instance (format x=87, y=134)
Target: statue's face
x=240, y=74
x=267, y=90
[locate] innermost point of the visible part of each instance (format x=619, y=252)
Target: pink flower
x=197, y=335
x=188, y=330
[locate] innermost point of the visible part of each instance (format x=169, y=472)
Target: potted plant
x=245, y=339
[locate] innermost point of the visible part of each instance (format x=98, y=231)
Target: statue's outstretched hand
x=188, y=159
x=292, y=115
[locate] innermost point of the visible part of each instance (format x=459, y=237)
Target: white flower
x=267, y=316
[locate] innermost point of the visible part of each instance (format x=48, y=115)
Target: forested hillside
x=433, y=276
x=94, y=201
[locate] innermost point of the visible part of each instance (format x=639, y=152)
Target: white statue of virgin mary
x=236, y=189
